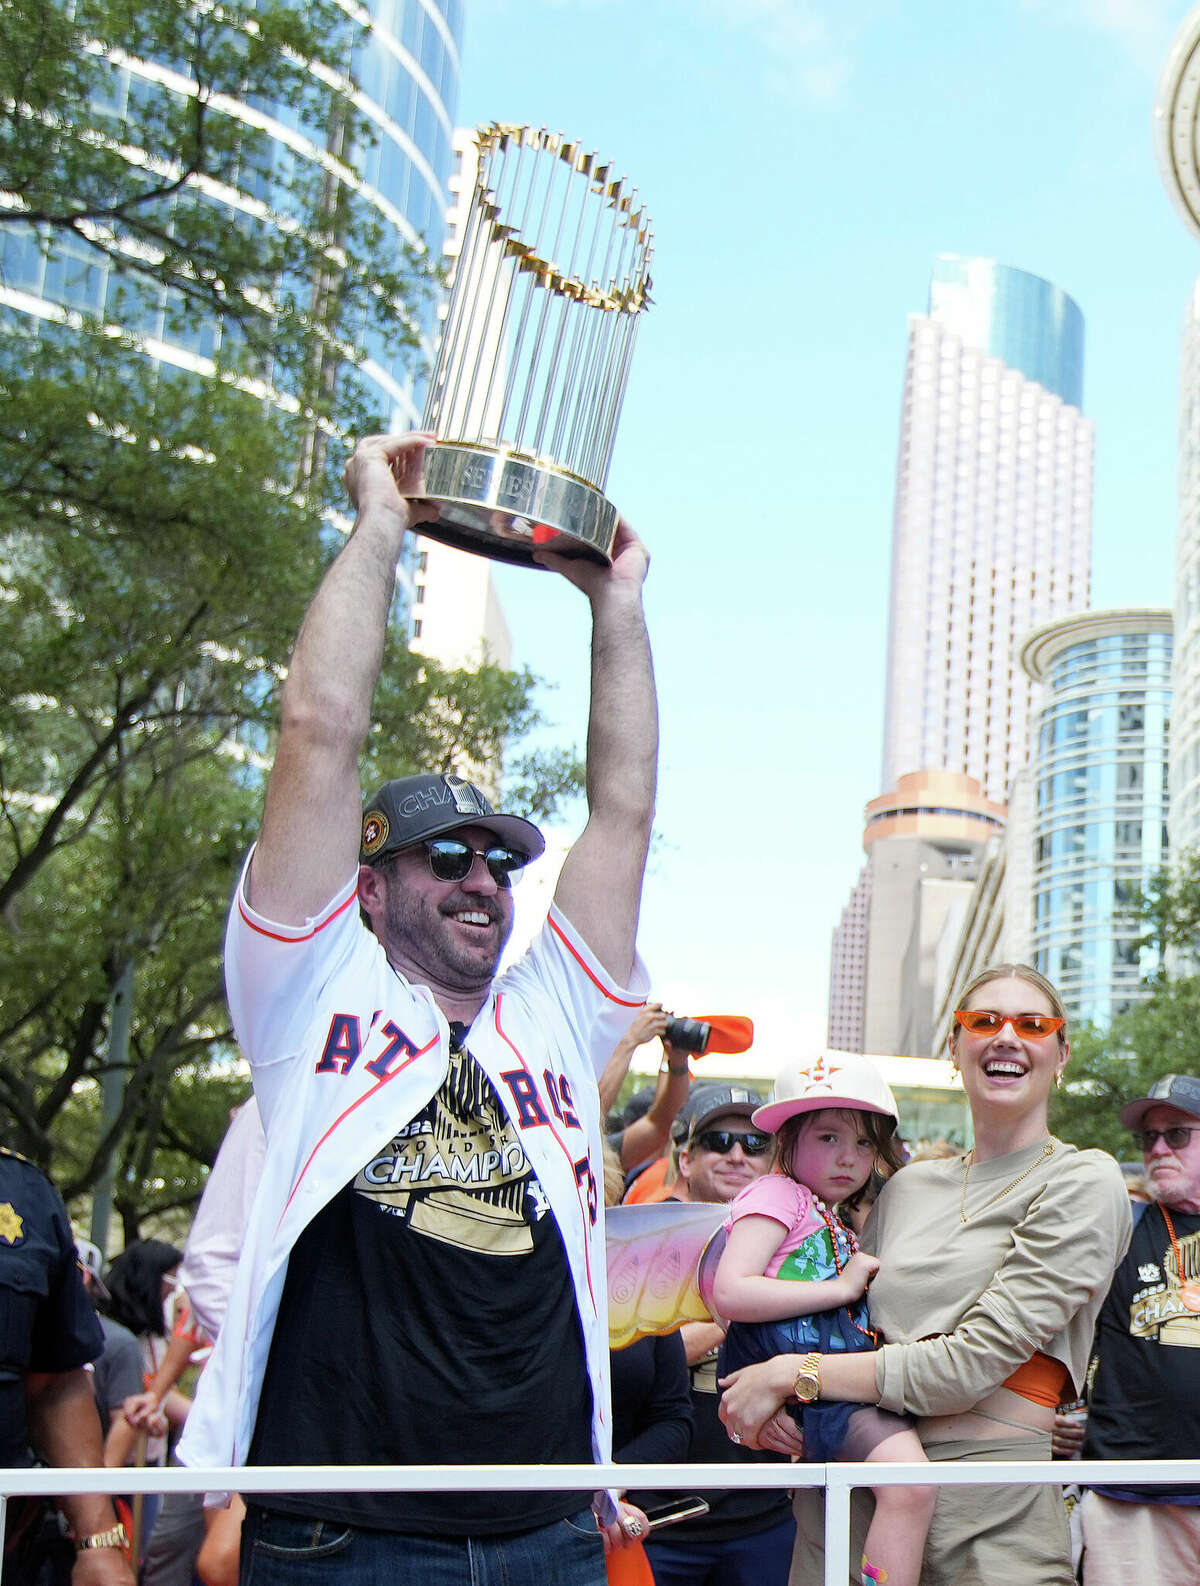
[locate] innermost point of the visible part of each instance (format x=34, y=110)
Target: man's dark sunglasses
x=451, y=860
x=722, y=1141
x=1178, y=1136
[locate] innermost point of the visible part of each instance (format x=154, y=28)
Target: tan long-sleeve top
x=1027, y=1271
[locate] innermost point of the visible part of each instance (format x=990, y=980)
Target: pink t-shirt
x=782, y=1199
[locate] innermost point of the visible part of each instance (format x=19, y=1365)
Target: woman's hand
x=750, y=1397
x=630, y=1526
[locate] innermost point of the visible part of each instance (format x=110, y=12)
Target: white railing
x=838, y=1481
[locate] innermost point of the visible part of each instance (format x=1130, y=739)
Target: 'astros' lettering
x=584, y=1175
x=531, y=1114
x=344, y=1044
x=558, y=1088
x=398, y=1044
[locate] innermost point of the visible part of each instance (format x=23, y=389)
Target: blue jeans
x=287, y=1550
x=762, y=1559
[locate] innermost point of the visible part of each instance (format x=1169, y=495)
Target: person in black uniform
x=48, y=1334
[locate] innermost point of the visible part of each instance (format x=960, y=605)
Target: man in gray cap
x=423, y=1270
x=1145, y=1401
x=746, y=1537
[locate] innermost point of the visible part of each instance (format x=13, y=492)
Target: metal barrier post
x=838, y=1489
x=837, y=1481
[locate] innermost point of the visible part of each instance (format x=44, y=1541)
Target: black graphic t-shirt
x=428, y=1317
x=1145, y=1401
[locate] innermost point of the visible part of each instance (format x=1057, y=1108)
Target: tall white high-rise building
x=848, y=970
x=1176, y=123
x=1184, y=821
x=992, y=522
x=991, y=538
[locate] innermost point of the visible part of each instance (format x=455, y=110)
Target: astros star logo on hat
x=821, y=1072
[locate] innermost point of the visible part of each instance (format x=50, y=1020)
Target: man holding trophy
x=423, y=1276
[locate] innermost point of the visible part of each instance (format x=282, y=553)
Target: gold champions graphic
x=1161, y=1309
x=458, y=1173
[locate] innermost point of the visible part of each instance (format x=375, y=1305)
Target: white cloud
x=1144, y=28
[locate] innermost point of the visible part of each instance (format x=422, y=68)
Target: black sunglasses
x=451, y=860
x=1177, y=1137
x=722, y=1141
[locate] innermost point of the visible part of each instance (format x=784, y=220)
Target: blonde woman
x=993, y=1267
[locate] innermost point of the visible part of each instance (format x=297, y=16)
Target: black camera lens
x=689, y=1035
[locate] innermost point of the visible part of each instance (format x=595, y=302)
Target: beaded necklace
x=1189, y=1293
x=842, y=1239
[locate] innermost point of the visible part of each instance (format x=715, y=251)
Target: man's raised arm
x=600, y=888
x=310, y=833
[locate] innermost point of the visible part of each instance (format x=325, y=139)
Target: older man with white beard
x=1146, y=1394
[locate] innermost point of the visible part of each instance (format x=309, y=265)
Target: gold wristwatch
x=115, y=1536
x=807, y=1386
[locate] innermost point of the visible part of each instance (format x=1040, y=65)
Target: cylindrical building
x=1099, y=772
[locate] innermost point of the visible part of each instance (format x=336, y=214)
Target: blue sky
x=803, y=163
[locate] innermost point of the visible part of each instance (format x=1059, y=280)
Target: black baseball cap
x=409, y=809
x=1172, y=1090
x=709, y=1101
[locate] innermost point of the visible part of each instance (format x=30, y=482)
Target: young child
x=835, y=1119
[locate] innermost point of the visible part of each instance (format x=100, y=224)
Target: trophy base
x=499, y=504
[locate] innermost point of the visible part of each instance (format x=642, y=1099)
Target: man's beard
x=424, y=936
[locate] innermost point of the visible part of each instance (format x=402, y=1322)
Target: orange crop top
x=1040, y=1379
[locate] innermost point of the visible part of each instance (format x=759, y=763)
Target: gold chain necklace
x=1047, y=1151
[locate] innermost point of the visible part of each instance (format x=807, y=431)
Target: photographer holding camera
x=645, y=1138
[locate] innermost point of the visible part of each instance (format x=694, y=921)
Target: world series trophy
x=550, y=284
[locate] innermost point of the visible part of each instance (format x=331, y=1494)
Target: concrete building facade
x=925, y=845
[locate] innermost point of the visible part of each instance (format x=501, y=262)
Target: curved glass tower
x=1029, y=324
x=1099, y=767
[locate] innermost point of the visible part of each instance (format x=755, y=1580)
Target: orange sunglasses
x=1027, y=1026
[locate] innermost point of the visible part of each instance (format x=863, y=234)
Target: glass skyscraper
x=1029, y=324
x=405, y=65
x=993, y=516
x=991, y=537
x=1099, y=773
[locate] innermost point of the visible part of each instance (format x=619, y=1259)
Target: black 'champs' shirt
x=428, y=1317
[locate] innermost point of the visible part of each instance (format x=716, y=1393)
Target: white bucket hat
x=832, y=1079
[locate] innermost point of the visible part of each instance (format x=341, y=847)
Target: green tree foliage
x=1156, y=1037
x=160, y=534
x=1170, y=906
x=153, y=181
